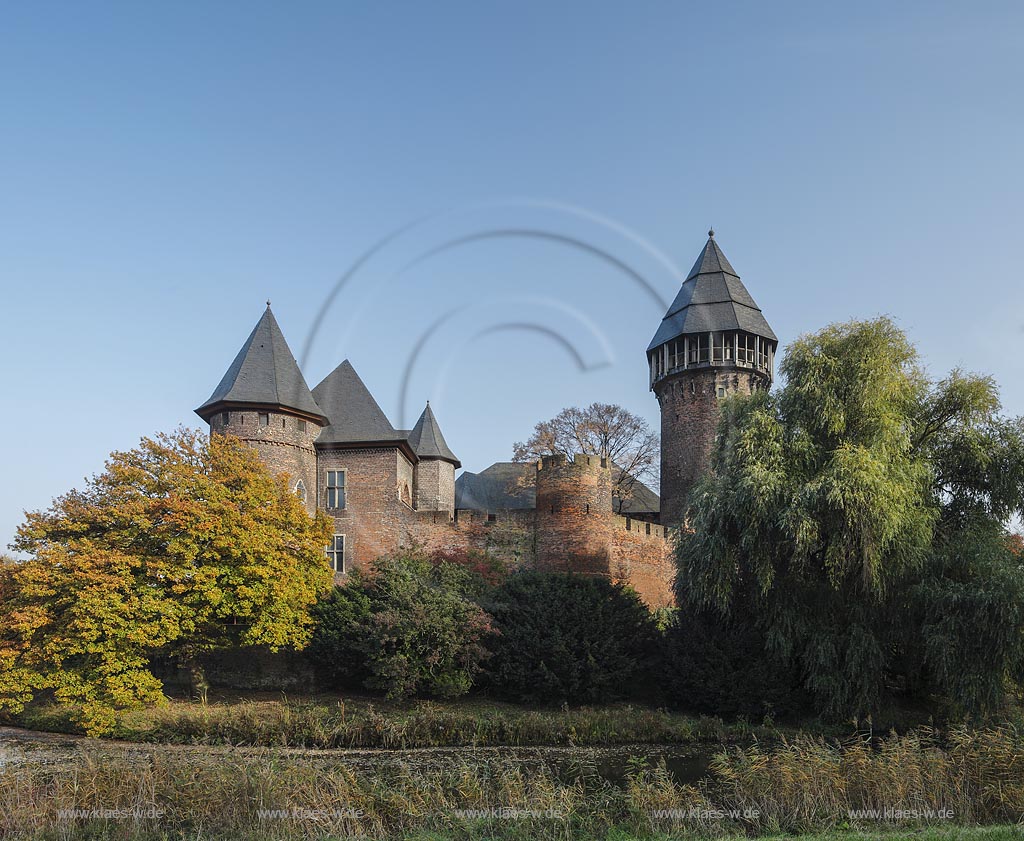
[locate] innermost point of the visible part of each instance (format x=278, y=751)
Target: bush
x=407, y=628
x=721, y=667
x=568, y=638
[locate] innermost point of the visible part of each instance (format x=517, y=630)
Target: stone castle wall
x=285, y=445
x=689, y=420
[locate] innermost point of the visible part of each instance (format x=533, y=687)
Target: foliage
x=183, y=545
x=487, y=569
x=570, y=638
x=854, y=492
x=721, y=665
x=604, y=430
x=409, y=627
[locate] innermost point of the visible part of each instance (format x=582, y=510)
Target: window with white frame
x=336, y=553
x=335, y=489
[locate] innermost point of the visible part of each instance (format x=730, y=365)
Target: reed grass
x=803, y=785
x=417, y=724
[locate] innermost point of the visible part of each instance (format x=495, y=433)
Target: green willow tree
x=857, y=516
x=182, y=546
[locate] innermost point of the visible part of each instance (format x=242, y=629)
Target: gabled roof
x=353, y=414
x=712, y=298
x=427, y=441
x=264, y=373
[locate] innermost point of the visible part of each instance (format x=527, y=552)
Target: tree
x=409, y=627
x=603, y=430
x=568, y=638
x=843, y=502
x=182, y=546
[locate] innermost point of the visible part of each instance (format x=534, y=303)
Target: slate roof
x=426, y=439
x=354, y=415
x=712, y=298
x=503, y=485
x=264, y=373
x=510, y=485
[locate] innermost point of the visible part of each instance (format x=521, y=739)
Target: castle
x=388, y=488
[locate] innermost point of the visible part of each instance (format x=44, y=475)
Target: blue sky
x=527, y=178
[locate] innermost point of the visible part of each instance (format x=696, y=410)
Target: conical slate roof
x=264, y=373
x=353, y=414
x=427, y=441
x=712, y=298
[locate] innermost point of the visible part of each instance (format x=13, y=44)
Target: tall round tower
x=264, y=400
x=712, y=342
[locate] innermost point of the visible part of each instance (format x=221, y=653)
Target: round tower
x=264, y=400
x=434, y=476
x=574, y=514
x=713, y=342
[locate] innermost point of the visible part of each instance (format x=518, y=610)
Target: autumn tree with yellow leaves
x=185, y=545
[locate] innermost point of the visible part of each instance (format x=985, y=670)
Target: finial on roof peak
x=268, y=303
x=711, y=233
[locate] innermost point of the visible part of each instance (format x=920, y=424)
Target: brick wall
x=574, y=506
x=283, y=444
x=689, y=419
x=374, y=516
x=643, y=558
x=435, y=485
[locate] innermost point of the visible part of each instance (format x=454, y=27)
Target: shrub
x=408, y=628
x=720, y=666
x=568, y=638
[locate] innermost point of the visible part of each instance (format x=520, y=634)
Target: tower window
x=300, y=490
x=335, y=488
x=225, y=418
x=721, y=391
x=336, y=553
x=301, y=425
x=264, y=419
x=492, y=518
x=284, y=423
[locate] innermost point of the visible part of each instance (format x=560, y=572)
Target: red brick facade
x=689, y=419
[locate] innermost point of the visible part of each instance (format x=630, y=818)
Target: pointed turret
x=712, y=342
x=263, y=399
x=427, y=441
x=435, y=466
x=264, y=375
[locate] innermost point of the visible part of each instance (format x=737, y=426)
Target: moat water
x=686, y=764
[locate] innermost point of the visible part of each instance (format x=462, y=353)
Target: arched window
x=300, y=490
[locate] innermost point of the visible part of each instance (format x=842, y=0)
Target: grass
x=806, y=785
x=324, y=722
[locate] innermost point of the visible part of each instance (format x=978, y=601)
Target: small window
x=301, y=425
x=721, y=391
x=225, y=418
x=492, y=518
x=300, y=490
x=264, y=419
x=336, y=553
x=335, y=488
x=284, y=423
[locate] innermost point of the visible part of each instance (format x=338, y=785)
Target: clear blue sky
x=165, y=168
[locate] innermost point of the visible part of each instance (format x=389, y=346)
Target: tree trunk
x=197, y=679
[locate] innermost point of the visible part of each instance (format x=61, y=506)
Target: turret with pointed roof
x=712, y=342
x=436, y=465
x=264, y=400
x=427, y=441
x=265, y=375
